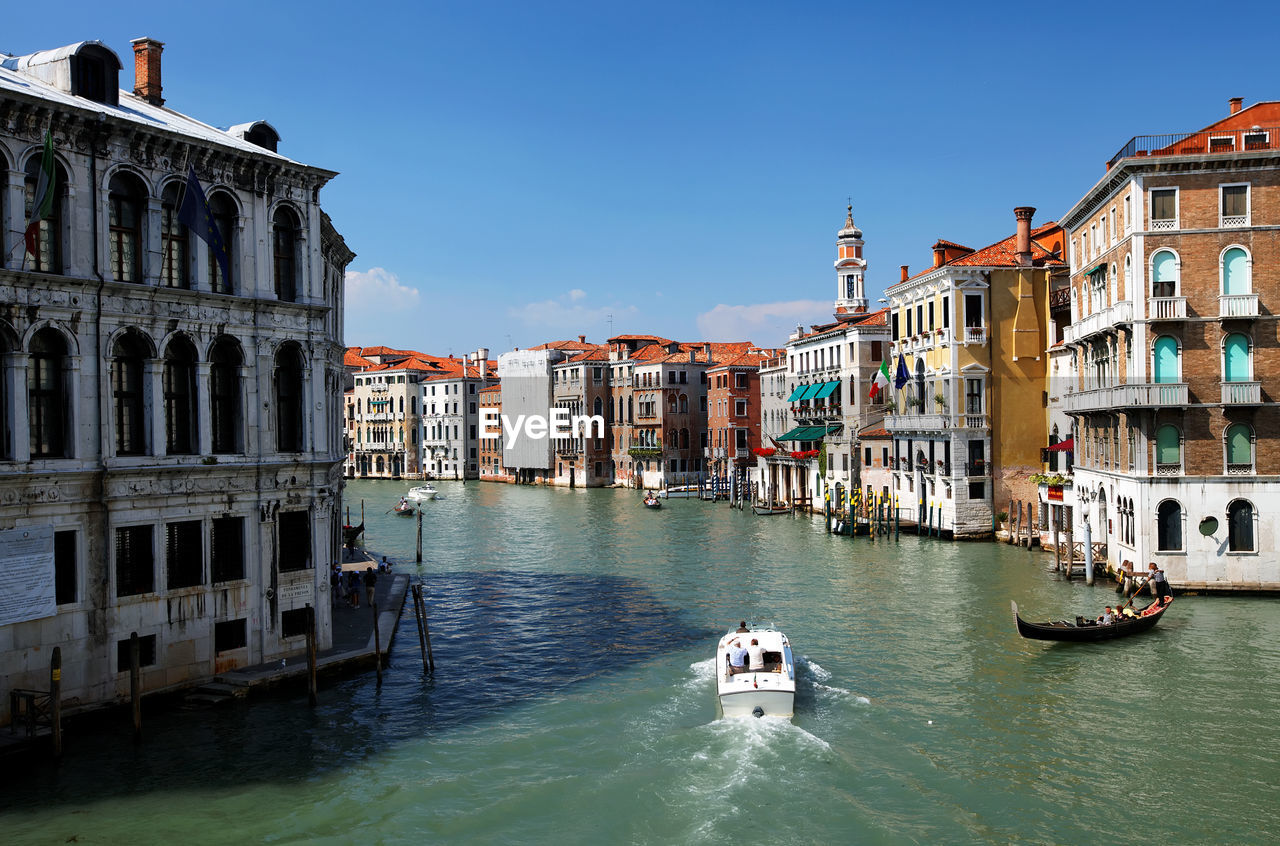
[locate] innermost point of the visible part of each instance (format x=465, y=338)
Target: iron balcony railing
x=1214, y=141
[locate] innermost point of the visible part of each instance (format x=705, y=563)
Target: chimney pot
x=146, y=69
x=1023, y=241
x=905, y=274
x=582, y=339
x=1237, y=103
x=939, y=256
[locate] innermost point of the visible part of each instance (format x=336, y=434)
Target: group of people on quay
x=346, y=584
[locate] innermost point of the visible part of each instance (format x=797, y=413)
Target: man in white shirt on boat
x=756, y=654
x=737, y=658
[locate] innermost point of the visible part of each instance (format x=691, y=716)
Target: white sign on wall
x=26, y=571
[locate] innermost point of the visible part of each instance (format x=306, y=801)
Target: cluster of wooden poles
x=875, y=515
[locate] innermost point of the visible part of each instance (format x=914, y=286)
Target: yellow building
x=970, y=339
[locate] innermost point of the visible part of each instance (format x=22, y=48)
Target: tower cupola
x=851, y=268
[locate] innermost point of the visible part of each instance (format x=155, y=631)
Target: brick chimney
x=905, y=274
x=582, y=339
x=1237, y=103
x=146, y=69
x=1022, y=244
x=939, y=255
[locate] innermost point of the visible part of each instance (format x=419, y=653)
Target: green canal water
x=573, y=701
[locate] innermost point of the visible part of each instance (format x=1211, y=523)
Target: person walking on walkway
x=353, y=588
x=370, y=581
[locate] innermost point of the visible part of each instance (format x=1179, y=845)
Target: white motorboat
x=422, y=492
x=679, y=492
x=769, y=691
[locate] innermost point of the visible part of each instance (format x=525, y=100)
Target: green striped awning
x=811, y=391
x=827, y=389
x=791, y=436
x=795, y=395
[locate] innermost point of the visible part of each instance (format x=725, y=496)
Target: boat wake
x=815, y=674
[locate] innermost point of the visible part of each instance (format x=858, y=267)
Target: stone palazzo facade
x=171, y=417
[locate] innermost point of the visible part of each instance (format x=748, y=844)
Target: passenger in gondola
x=1128, y=613
x=1107, y=617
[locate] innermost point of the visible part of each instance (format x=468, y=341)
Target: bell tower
x=851, y=269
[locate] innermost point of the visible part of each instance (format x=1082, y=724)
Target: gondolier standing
x=1159, y=585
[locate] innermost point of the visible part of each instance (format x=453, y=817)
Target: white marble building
x=174, y=425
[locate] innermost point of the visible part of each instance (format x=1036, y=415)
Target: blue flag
x=902, y=376
x=198, y=217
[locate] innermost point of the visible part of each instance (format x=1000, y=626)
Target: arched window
x=1168, y=446
x=597, y=407
x=1239, y=438
x=1169, y=526
x=289, y=405
x=1235, y=358
x=175, y=265
x=47, y=394
x=920, y=382
x=684, y=439
x=1128, y=277
x=126, y=201
x=224, y=217
x=1235, y=272
x=1164, y=274
x=179, y=385
x=285, y=255
x=44, y=246
x=1240, y=526
x=1164, y=368
x=128, y=368
x=224, y=396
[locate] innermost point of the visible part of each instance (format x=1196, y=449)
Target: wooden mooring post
x=377, y=642
x=424, y=629
x=1057, y=549
x=135, y=684
x=311, y=656
x=419, y=559
x=55, y=700
x=1071, y=550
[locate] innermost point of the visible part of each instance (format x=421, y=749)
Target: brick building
x=1175, y=278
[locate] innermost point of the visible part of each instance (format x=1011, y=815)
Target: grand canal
x=573, y=701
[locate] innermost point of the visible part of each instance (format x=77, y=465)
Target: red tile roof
x=874, y=432
x=1002, y=254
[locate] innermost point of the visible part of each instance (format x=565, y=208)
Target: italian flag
x=881, y=380
x=42, y=201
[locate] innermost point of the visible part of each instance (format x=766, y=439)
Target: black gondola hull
x=1088, y=633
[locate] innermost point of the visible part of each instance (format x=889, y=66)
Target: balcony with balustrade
x=1167, y=308
x=1201, y=143
x=1241, y=393
x=1107, y=319
x=910, y=422
x=974, y=335
x=1137, y=395
x=1237, y=306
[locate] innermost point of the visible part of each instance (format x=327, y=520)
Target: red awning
x=1069, y=445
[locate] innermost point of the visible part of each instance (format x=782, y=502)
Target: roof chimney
x=939, y=255
x=1022, y=245
x=582, y=339
x=905, y=274
x=146, y=69
x=1237, y=103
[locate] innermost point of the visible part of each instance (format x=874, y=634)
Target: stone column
x=204, y=408
x=153, y=390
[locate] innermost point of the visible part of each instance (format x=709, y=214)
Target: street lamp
x=1085, y=497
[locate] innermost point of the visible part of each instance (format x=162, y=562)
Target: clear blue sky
x=512, y=173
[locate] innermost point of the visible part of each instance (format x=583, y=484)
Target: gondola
x=770, y=510
x=350, y=534
x=1085, y=631
x=652, y=503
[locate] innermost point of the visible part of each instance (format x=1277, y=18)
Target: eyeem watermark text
x=559, y=424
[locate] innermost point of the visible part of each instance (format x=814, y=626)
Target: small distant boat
x=404, y=508
x=767, y=692
x=770, y=510
x=652, y=502
x=1085, y=631
x=679, y=492
x=422, y=493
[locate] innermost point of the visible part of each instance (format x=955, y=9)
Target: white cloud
x=567, y=313
x=378, y=291
x=766, y=324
